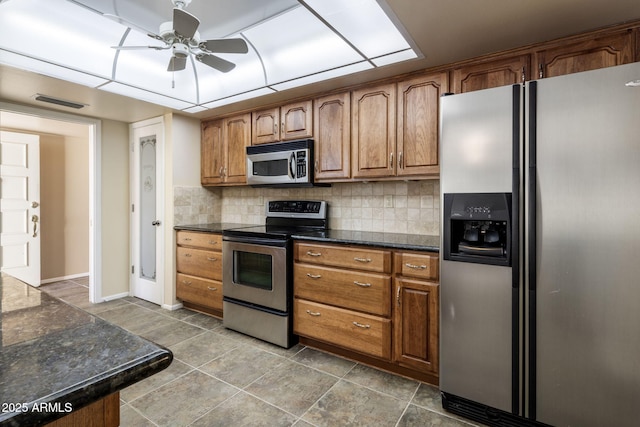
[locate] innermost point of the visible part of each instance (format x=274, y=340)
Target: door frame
x=95, y=178
x=134, y=172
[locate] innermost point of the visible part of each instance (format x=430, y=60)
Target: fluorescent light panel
x=63, y=40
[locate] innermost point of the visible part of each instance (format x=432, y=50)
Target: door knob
x=35, y=204
x=156, y=223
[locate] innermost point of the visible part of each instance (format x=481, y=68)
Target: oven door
x=255, y=273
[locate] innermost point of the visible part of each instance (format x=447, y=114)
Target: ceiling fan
x=182, y=37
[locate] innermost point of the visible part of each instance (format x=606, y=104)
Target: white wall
x=115, y=208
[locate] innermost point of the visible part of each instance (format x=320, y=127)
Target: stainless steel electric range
x=258, y=270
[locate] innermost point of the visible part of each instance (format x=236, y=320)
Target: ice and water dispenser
x=477, y=228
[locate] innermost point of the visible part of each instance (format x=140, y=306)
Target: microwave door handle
x=292, y=166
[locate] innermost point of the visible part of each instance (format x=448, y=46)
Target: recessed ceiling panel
x=363, y=23
x=218, y=18
x=61, y=33
x=295, y=44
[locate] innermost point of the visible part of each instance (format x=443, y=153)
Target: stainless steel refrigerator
x=540, y=258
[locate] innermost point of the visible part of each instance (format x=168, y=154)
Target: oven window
x=278, y=167
x=252, y=269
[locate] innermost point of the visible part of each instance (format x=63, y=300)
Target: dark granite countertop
x=213, y=227
x=54, y=354
x=418, y=242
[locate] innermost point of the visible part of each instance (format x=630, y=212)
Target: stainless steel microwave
x=284, y=164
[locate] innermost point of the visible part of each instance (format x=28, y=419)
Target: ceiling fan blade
x=184, y=23
x=177, y=63
x=225, y=45
x=140, y=47
x=216, y=62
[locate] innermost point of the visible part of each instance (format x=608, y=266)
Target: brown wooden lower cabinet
x=350, y=329
x=386, y=316
x=416, y=321
x=103, y=413
x=199, y=271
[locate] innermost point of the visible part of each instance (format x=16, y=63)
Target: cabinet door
x=296, y=120
x=332, y=131
x=485, y=75
x=418, y=118
x=416, y=320
x=238, y=137
x=212, y=152
x=605, y=51
x=265, y=126
x=373, y=131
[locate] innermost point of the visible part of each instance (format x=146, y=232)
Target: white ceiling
x=443, y=31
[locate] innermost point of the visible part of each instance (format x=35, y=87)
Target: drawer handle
x=187, y=282
x=360, y=325
x=211, y=259
x=362, y=259
x=211, y=288
x=188, y=255
x=416, y=267
x=213, y=242
x=314, y=253
x=187, y=239
x=364, y=285
x=313, y=313
x=314, y=276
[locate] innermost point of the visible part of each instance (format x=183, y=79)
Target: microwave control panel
x=301, y=164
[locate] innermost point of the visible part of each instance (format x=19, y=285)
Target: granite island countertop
x=54, y=354
x=416, y=242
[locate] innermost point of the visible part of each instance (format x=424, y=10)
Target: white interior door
x=20, y=206
x=147, y=210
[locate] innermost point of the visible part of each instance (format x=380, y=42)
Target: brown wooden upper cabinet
x=291, y=121
x=400, y=138
x=373, y=131
x=223, y=150
x=605, y=51
x=332, y=136
x=493, y=73
x=418, y=115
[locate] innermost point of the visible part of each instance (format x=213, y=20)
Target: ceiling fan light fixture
x=179, y=50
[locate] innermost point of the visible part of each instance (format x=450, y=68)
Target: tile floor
x=222, y=378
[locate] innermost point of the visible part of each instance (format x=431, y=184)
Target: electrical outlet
x=388, y=201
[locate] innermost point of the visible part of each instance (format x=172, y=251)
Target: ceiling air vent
x=58, y=101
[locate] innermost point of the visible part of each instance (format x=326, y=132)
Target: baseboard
x=115, y=296
x=58, y=279
x=172, y=307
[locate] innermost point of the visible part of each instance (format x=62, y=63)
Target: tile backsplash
x=394, y=206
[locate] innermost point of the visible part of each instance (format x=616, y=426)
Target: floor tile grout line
x=139, y=413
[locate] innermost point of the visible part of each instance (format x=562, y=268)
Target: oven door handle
x=292, y=165
x=255, y=241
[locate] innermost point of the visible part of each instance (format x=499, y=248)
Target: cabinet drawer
x=360, y=332
x=355, y=290
x=422, y=266
x=337, y=256
x=208, y=241
x=198, y=262
x=207, y=293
